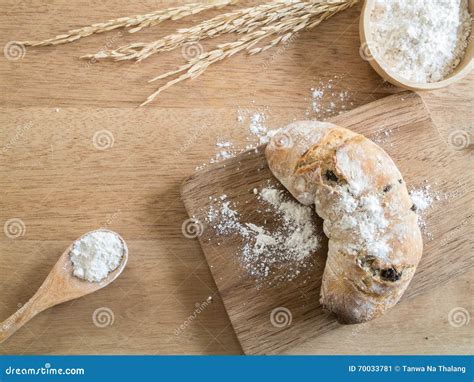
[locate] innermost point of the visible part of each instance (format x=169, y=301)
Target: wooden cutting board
x=402, y=126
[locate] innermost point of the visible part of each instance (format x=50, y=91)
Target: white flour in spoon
x=96, y=254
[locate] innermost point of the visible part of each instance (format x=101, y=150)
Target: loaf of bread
x=374, y=240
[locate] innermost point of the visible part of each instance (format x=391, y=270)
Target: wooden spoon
x=60, y=286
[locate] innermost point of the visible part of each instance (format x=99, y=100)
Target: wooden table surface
x=58, y=181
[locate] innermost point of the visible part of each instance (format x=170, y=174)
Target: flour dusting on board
x=423, y=199
x=383, y=136
x=265, y=251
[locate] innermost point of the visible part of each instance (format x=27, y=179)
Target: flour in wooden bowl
x=421, y=40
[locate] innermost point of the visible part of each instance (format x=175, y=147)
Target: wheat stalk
x=239, y=21
x=304, y=15
x=134, y=23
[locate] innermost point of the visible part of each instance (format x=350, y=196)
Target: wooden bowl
x=461, y=71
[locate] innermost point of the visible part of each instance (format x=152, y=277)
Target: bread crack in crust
x=374, y=240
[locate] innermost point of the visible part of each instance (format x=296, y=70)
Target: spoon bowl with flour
x=90, y=263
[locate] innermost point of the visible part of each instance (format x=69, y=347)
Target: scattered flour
x=353, y=171
x=96, y=254
x=223, y=218
x=328, y=99
x=258, y=134
x=224, y=144
x=265, y=251
x=421, y=40
x=257, y=126
x=383, y=137
x=423, y=199
x=259, y=130
x=363, y=217
x=226, y=150
x=240, y=116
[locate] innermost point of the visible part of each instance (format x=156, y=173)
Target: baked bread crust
x=375, y=243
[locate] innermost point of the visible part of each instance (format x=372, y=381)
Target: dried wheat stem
x=135, y=23
x=308, y=15
x=239, y=21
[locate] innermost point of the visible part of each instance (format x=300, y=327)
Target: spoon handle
x=36, y=304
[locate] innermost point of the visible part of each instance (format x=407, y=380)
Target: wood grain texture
x=60, y=185
x=420, y=155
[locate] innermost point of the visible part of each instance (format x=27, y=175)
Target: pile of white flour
x=264, y=251
x=96, y=254
x=421, y=40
